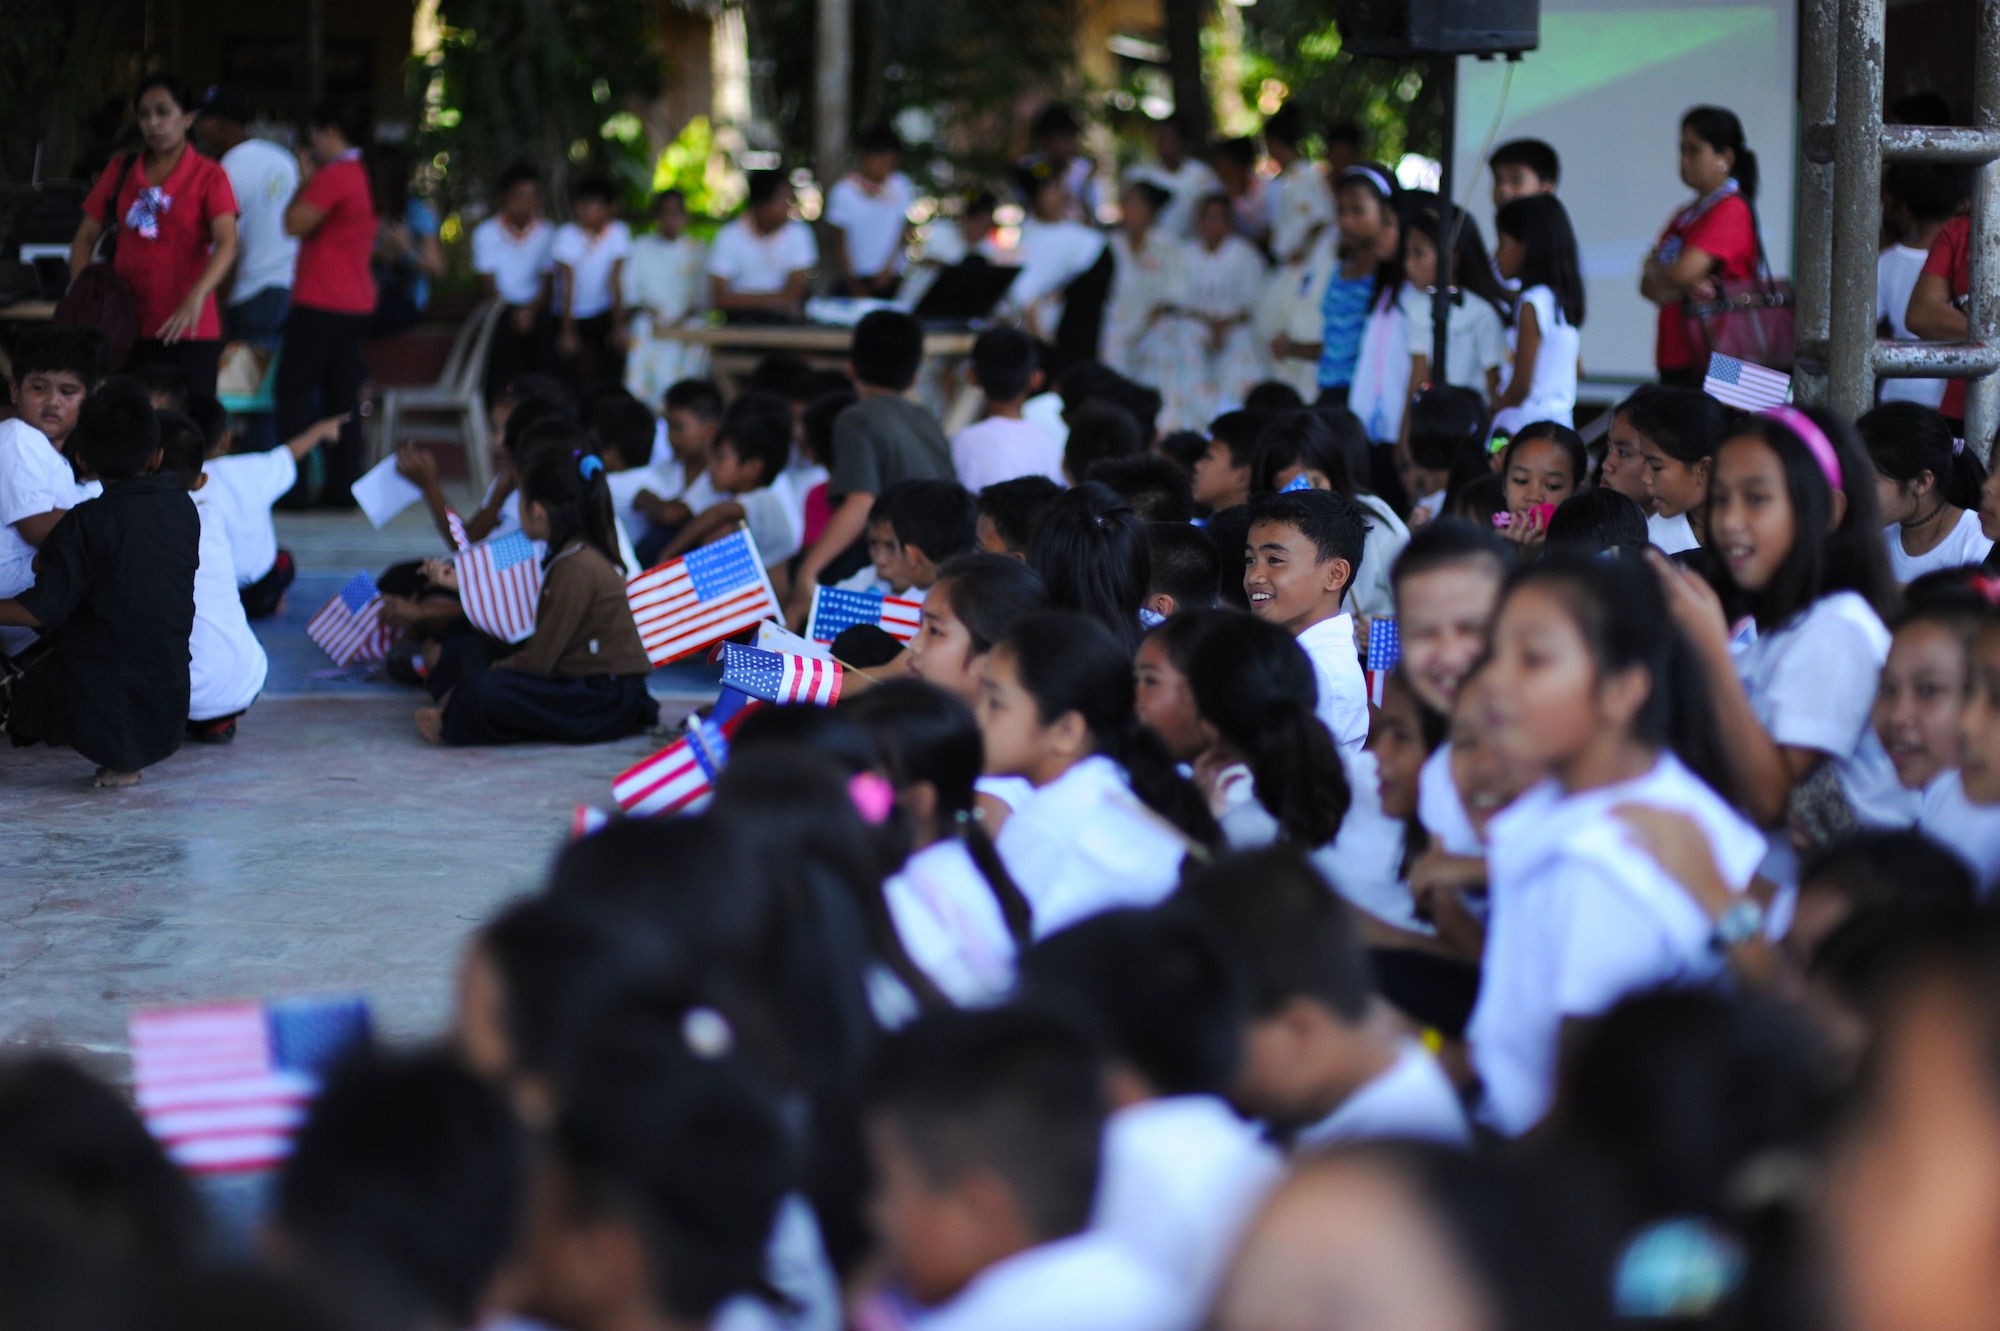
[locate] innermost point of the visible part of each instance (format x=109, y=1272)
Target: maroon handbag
x=1749, y=318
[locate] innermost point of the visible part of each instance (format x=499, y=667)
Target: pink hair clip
x=873, y=797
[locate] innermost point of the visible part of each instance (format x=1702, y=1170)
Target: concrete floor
x=327, y=850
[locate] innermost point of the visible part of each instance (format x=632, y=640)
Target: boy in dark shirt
x=114, y=599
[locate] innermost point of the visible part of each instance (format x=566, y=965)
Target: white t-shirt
x=663, y=481
x=1180, y=1179
x=1051, y=256
x=1087, y=1282
x=1223, y=283
x=1581, y=918
x=516, y=263
x=1552, y=395
x=1441, y=809
x=1896, y=271
x=1672, y=535
x=1343, y=689
x=776, y=516
x=1412, y=1100
x=950, y=923
x=590, y=260
x=1971, y=831
x=1475, y=337
x=1300, y=201
x=1189, y=185
x=998, y=449
x=1966, y=544
x=872, y=222
x=1381, y=386
x=1371, y=592
x=1084, y=844
x=264, y=178
x=35, y=478
x=756, y=265
x=241, y=488
x=663, y=281
x=227, y=665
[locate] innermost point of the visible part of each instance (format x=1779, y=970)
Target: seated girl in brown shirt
x=581, y=679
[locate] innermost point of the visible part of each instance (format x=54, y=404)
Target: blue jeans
x=260, y=321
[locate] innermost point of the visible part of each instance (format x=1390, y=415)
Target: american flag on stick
x=836, y=609
x=700, y=598
x=499, y=583
x=224, y=1087
x=456, y=526
x=1738, y=383
x=1385, y=650
x=780, y=677
x=675, y=777
x=349, y=628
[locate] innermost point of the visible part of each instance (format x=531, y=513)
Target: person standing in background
x=1711, y=240
x=1187, y=180
x=511, y=252
x=264, y=177
x=867, y=211
x=408, y=257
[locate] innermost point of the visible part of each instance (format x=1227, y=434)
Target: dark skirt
x=489, y=706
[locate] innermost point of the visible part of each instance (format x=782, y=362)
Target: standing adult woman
x=176, y=220
x=1712, y=239
x=333, y=297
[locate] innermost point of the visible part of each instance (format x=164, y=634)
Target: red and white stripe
x=456, y=526
x=668, y=781
x=674, y=622
x=207, y=1088
x=350, y=636
x=500, y=601
x=901, y=619
x=808, y=679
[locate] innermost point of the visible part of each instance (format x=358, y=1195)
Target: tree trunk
x=1185, y=19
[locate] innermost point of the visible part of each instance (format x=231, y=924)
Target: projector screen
x=1607, y=89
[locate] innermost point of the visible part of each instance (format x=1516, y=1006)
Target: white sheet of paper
x=384, y=492
x=776, y=638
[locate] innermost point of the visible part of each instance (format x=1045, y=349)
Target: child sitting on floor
x=932, y=521
x=241, y=488
x=582, y=677
x=747, y=468
x=54, y=369
x=114, y=597
x=227, y=665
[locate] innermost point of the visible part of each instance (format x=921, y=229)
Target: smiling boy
x=1303, y=552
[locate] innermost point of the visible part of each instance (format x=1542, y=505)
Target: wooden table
x=735, y=350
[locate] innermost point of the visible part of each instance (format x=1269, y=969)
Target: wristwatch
x=1743, y=921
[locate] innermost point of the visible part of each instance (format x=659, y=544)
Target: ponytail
x=1906, y=439
x=1015, y=908
x=568, y=481
x=1158, y=783
x=1718, y=127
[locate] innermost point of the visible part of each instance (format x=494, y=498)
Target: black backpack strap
x=124, y=168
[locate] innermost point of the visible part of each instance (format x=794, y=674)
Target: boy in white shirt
x=1918, y=198
x=54, y=370
x=747, y=468
x=985, y=1130
x=238, y=492
x=930, y=523
x=1182, y=1171
x=589, y=254
x=511, y=254
x=226, y=663
x=1324, y=1059
x=662, y=280
x=759, y=264
x=1004, y=446
x=1305, y=548
x=868, y=212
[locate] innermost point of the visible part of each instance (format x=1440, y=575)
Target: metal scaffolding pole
x=1982, y=395
x=1857, y=209
x=1812, y=250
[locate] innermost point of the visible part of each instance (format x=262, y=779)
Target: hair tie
x=872, y=797
x=1813, y=438
x=706, y=1033
x=1957, y=447
x=975, y=814
x=1987, y=586
x=1372, y=176
x=591, y=465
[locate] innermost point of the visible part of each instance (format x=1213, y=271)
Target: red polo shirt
x=1951, y=259
x=1726, y=230
x=164, y=268
x=333, y=261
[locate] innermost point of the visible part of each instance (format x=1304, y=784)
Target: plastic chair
x=458, y=392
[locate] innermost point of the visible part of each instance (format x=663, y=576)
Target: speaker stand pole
x=1444, y=72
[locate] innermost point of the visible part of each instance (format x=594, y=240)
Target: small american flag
x=587, y=820
x=675, y=777
x=1385, y=649
x=499, y=582
x=701, y=598
x=456, y=526
x=780, y=677
x=349, y=627
x=1738, y=383
x=224, y=1087
x=836, y=609
x=1298, y=482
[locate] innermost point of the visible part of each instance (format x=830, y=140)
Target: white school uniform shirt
x=1441, y=809
x=1381, y=385
x=757, y=265
x=662, y=280
x=1671, y=535
x=1371, y=593
x=516, y=262
x=1300, y=201
x=1084, y=844
x=35, y=478
x=1411, y=1100
x=796, y=1265
x=1189, y=185
x=1364, y=861
x=663, y=481
x=1012, y=791
x=226, y=665
x=1966, y=544
x=1181, y=1178
x=590, y=260
x=776, y=516
x=1970, y=831
x=1552, y=395
x=999, y=449
x=1051, y=256
x=1223, y=283
x=1475, y=337
x=1582, y=918
x=264, y=178
x=872, y=219
x=1896, y=271
x=950, y=923
x=1086, y=1282
x=242, y=487
x=1343, y=690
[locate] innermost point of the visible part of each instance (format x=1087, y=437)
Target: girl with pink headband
x=1794, y=524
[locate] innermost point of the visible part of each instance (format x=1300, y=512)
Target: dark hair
x=1537, y=156
x=1598, y=519
x=412, y=1173
x=1156, y=988
x=1157, y=489
x=686, y=1148
x=877, y=138
x=1090, y=382
x=1292, y=934
x=817, y=421
x=342, y=115
x=570, y=484
x=699, y=396
x=1719, y=128
x=1685, y=424
x=183, y=448
x=1549, y=254
x=594, y=185
x=888, y=350
x=1272, y=395
x=1930, y=191
x=211, y=419
x=1069, y=662
x=1184, y=565
x=117, y=431
x=1568, y=440
x=1183, y=448
x=816, y=384
x=1464, y=265
x=1448, y=425
x=626, y=424
x=1097, y=431
x=1823, y=558
x=666, y=196
x=1620, y=611
x=546, y=389
x=1449, y=543
x=1890, y=870
x=168, y=381
x=780, y=373
x=926, y=734
x=761, y=187
x=1004, y=359
x=1332, y=522
x=1090, y=549
x=940, y=518
x=1055, y=118
x=1478, y=501
x=520, y=172
x=53, y=350
x=1343, y=131
x=1240, y=431
x=1230, y=530
x=1907, y=439
x=1303, y=439
x=1241, y=150
x=1287, y=124
x=1012, y=506
x=175, y=85
x=1149, y=194
x=989, y=594
x=758, y=428
x=1253, y=682
x=536, y=423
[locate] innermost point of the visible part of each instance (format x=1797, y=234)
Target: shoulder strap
x=125, y=161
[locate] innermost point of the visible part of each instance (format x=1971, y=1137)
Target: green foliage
x=689, y=164
x=1295, y=43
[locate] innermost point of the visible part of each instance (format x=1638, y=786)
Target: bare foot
x=430, y=723
x=107, y=779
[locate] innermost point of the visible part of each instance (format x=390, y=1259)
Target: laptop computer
x=964, y=294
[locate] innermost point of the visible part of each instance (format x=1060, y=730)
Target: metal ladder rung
x=1942, y=144
x=1934, y=360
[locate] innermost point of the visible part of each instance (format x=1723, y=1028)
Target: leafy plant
x=1292, y=51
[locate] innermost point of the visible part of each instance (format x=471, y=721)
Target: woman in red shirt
x=320, y=370
x=176, y=220
x=1714, y=238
